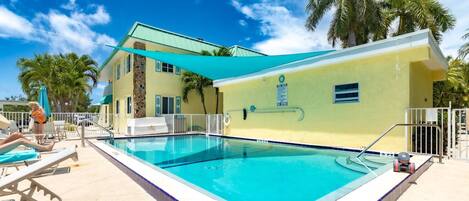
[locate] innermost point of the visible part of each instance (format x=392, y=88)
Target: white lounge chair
x=9, y=185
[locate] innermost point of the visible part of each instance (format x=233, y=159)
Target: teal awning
x=218, y=67
x=106, y=100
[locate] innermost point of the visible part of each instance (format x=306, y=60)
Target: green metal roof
x=237, y=50
x=167, y=38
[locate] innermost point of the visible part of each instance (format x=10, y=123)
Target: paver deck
x=447, y=181
x=91, y=178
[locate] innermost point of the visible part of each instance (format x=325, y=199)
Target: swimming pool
x=239, y=169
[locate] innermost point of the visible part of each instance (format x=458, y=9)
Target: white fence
x=460, y=133
x=426, y=140
x=184, y=123
x=69, y=120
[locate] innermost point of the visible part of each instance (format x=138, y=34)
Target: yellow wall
x=421, y=85
x=157, y=83
x=384, y=84
x=121, y=89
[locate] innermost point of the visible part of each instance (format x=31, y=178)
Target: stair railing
x=440, y=155
x=82, y=122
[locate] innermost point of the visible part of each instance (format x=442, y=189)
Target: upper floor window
x=117, y=107
x=169, y=68
x=166, y=67
x=118, y=71
x=127, y=63
x=129, y=105
x=346, y=93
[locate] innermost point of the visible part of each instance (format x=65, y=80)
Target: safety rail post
x=82, y=134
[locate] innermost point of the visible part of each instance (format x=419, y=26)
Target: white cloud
x=452, y=39
x=286, y=32
x=61, y=32
x=99, y=17
x=70, y=5
x=14, y=26
x=243, y=23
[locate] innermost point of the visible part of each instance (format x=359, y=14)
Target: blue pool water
x=236, y=169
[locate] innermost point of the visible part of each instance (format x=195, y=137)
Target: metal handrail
x=111, y=134
x=407, y=125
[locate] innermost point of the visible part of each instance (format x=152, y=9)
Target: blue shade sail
x=44, y=101
x=221, y=67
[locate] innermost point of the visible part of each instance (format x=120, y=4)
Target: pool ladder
x=440, y=154
x=111, y=134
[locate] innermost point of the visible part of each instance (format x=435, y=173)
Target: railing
x=71, y=120
x=440, y=137
x=82, y=124
x=185, y=123
x=423, y=139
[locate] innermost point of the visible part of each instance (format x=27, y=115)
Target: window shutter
x=178, y=104
x=157, y=66
x=157, y=105
x=178, y=70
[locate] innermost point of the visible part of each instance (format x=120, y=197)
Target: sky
x=29, y=27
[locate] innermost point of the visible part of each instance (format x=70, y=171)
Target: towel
x=15, y=156
x=4, y=122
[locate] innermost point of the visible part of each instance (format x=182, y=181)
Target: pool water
x=237, y=169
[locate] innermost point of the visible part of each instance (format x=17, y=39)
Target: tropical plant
x=222, y=52
x=195, y=82
x=455, y=88
x=464, y=49
x=353, y=23
x=66, y=76
x=412, y=15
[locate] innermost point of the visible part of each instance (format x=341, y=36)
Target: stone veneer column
x=139, y=82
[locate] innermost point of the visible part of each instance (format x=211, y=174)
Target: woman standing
x=39, y=116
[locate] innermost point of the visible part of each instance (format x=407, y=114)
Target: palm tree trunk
x=217, y=92
x=352, y=39
x=202, y=98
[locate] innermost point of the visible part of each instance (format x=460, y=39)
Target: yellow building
x=140, y=87
x=345, y=98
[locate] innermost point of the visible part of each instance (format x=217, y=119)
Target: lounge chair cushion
x=15, y=156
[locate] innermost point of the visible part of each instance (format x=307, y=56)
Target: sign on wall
x=282, y=92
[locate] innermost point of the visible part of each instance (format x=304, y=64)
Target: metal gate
x=424, y=139
x=460, y=133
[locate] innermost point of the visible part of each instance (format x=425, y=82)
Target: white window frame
x=118, y=71
x=163, y=103
x=349, y=91
x=117, y=106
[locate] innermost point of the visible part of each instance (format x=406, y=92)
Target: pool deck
x=92, y=177
x=447, y=181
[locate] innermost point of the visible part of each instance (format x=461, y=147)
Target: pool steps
x=364, y=165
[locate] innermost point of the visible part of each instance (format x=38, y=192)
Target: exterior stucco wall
x=384, y=84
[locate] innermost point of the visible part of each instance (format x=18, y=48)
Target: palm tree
x=222, y=52
x=455, y=88
x=353, y=23
x=464, y=49
x=198, y=83
x=412, y=15
x=67, y=77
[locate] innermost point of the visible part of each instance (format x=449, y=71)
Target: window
x=127, y=63
x=117, y=106
x=118, y=71
x=346, y=93
x=129, y=105
x=168, y=105
x=169, y=68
